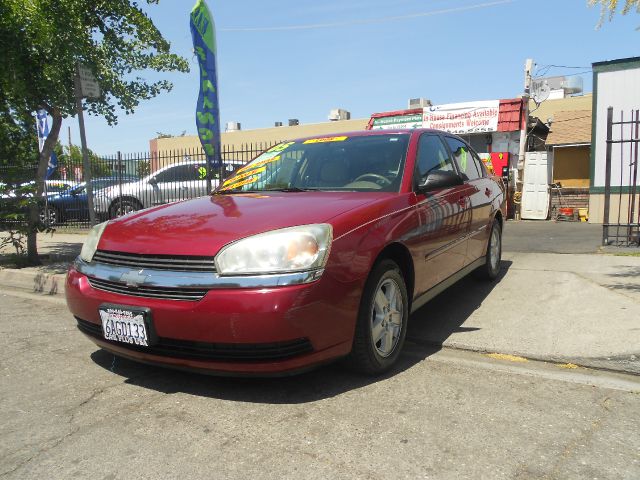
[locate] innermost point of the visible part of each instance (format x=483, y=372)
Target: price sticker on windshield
x=244, y=175
x=239, y=184
x=281, y=147
x=326, y=139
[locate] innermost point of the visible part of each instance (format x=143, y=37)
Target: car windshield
x=340, y=163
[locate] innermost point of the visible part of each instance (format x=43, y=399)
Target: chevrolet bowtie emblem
x=133, y=278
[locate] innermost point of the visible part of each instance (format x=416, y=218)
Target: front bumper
x=243, y=331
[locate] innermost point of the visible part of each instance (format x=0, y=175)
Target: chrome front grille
x=165, y=293
x=179, y=263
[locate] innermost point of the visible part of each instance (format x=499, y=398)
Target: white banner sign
x=463, y=118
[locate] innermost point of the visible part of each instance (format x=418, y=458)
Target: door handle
x=487, y=192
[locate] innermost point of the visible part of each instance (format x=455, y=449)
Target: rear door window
x=463, y=157
x=182, y=173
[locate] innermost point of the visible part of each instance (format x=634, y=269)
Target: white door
x=535, y=191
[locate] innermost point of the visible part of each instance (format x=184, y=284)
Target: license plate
x=126, y=325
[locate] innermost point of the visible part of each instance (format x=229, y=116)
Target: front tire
x=381, y=327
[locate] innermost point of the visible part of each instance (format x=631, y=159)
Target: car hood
x=203, y=226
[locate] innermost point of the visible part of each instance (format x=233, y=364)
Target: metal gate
x=621, y=225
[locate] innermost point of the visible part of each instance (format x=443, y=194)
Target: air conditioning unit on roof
x=233, y=127
x=339, y=114
x=419, y=103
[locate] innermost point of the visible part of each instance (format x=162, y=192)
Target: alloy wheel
x=494, y=249
x=386, y=317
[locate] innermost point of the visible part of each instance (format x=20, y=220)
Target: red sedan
x=318, y=249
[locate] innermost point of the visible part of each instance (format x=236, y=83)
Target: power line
x=367, y=21
x=544, y=69
x=539, y=76
x=564, y=66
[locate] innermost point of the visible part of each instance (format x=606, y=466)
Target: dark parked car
x=318, y=249
x=73, y=204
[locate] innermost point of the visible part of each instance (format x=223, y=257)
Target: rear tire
x=491, y=269
x=381, y=327
x=118, y=208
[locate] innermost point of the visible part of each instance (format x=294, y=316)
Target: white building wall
x=620, y=90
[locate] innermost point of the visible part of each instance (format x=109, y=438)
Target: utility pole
x=522, y=152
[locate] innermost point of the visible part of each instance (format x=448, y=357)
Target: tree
x=42, y=43
x=71, y=158
x=144, y=168
x=18, y=160
x=610, y=7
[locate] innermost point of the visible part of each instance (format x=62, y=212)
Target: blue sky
x=301, y=58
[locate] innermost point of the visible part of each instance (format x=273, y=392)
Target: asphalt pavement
x=71, y=410
x=552, y=237
x=534, y=376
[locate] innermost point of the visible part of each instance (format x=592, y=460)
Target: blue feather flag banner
x=52, y=165
x=203, y=32
x=43, y=127
x=43, y=133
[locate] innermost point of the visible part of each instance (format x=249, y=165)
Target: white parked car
x=179, y=181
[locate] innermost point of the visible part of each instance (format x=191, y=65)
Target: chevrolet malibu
x=317, y=250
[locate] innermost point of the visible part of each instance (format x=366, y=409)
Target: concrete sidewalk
x=573, y=308
x=569, y=308
x=59, y=249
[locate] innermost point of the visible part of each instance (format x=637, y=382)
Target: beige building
x=243, y=145
x=569, y=141
x=549, y=108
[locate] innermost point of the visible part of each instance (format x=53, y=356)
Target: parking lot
x=468, y=399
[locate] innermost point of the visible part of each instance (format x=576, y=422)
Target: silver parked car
x=179, y=181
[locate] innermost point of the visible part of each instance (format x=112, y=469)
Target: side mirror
x=153, y=181
x=438, y=179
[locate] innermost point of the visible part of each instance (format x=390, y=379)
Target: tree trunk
x=34, y=207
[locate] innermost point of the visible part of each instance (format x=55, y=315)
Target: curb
x=613, y=365
x=33, y=282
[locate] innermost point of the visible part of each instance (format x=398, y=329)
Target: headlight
x=295, y=249
x=91, y=243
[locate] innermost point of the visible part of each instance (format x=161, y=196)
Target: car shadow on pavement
x=429, y=327
x=445, y=314
x=623, y=277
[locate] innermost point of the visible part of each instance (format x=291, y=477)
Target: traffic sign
x=89, y=86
